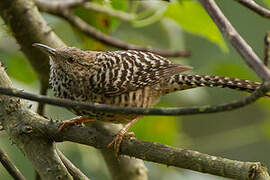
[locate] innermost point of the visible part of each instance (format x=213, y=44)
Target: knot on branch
x=257, y=171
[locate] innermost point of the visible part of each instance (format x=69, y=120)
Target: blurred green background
x=242, y=134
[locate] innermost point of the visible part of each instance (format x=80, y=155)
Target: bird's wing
x=122, y=71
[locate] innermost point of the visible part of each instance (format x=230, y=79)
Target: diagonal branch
x=73, y=170
x=229, y=32
x=66, y=13
x=142, y=111
x=10, y=167
x=252, y=5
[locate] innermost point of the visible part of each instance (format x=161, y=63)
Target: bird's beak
x=46, y=49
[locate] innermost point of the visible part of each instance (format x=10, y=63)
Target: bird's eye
x=70, y=60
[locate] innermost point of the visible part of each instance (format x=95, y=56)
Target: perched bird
x=123, y=78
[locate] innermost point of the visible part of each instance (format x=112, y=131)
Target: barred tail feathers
x=187, y=81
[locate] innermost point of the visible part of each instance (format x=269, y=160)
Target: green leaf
x=193, y=18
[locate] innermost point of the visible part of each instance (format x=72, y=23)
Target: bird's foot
x=76, y=120
x=116, y=142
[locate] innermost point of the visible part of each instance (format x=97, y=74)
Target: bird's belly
x=143, y=98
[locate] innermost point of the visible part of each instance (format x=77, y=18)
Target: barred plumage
x=124, y=78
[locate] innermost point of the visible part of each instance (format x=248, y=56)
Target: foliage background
x=242, y=134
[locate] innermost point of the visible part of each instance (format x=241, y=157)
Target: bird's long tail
x=187, y=81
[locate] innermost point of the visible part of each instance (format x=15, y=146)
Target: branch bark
x=40, y=151
x=178, y=157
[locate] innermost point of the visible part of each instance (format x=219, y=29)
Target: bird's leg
x=116, y=142
x=76, y=120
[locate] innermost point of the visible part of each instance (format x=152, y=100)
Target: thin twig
x=10, y=167
x=94, y=33
x=266, y=48
x=229, y=32
x=73, y=170
x=41, y=106
x=111, y=12
x=71, y=4
x=252, y=5
x=142, y=111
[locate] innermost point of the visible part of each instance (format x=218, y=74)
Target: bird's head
x=68, y=58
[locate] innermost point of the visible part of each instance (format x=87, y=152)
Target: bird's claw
x=116, y=142
x=74, y=121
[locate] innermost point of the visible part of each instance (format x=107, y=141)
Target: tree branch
x=178, y=157
x=266, y=48
x=142, y=111
x=111, y=12
x=10, y=167
x=252, y=5
x=15, y=118
x=71, y=4
x=73, y=170
x=229, y=32
x=158, y=153
x=66, y=13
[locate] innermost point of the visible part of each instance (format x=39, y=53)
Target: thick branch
x=252, y=5
x=158, y=153
x=236, y=40
x=130, y=110
x=66, y=13
x=10, y=167
x=40, y=151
